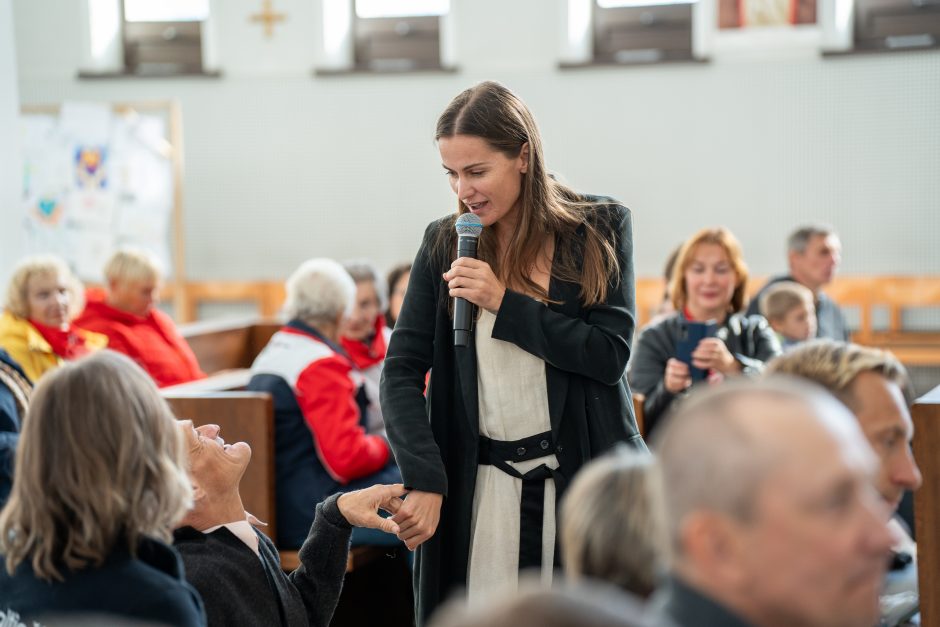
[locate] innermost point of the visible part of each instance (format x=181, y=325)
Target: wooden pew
x=228, y=345
x=926, y=414
x=268, y=296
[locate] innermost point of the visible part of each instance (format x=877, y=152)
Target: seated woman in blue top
x=708, y=283
x=321, y=406
x=98, y=486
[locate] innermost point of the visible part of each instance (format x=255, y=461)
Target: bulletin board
x=97, y=176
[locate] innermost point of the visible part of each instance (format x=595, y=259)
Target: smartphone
x=691, y=333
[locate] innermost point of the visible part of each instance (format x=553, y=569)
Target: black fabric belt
x=532, y=506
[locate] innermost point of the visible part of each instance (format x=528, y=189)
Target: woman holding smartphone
x=539, y=390
x=708, y=284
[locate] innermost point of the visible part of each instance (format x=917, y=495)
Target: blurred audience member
x=397, y=286
x=875, y=387
x=237, y=570
x=128, y=316
x=708, y=286
x=100, y=482
x=320, y=405
x=36, y=328
x=790, y=309
x=364, y=335
x=771, y=511
x=666, y=308
x=15, y=390
x=814, y=253
x=584, y=605
x=613, y=524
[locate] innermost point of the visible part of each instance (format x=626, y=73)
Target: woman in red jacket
x=134, y=326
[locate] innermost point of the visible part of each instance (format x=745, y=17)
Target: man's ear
x=715, y=543
x=198, y=493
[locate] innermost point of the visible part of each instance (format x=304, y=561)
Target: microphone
x=468, y=228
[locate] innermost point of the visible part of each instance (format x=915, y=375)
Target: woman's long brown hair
x=547, y=208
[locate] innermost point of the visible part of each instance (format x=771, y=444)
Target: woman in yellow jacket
x=35, y=328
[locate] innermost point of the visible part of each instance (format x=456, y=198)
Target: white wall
x=282, y=165
x=10, y=168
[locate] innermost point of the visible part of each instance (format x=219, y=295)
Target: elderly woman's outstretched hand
x=361, y=507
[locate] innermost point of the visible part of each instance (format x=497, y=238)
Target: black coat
x=148, y=588
x=749, y=338
x=679, y=604
x=435, y=441
x=238, y=588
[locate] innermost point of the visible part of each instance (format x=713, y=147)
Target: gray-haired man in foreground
x=772, y=511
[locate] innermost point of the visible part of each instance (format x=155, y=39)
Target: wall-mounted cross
x=269, y=17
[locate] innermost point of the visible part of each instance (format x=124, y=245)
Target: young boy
x=791, y=311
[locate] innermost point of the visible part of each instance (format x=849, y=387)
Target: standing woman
x=540, y=389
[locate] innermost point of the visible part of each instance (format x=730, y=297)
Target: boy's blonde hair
x=782, y=298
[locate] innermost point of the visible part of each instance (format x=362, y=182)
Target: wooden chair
x=926, y=414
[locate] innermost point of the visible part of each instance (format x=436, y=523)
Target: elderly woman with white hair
x=126, y=314
x=320, y=405
x=36, y=327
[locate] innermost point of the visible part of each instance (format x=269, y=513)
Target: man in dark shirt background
x=813, y=253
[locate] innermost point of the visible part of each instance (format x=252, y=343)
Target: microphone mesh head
x=468, y=225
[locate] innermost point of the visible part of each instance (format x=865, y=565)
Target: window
x=386, y=36
x=399, y=35
x=634, y=31
x=896, y=24
x=163, y=37
x=757, y=13
x=642, y=31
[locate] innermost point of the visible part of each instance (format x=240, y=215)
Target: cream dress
x=513, y=401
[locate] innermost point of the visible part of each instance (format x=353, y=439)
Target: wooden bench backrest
x=226, y=345
x=242, y=417
x=926, y=414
